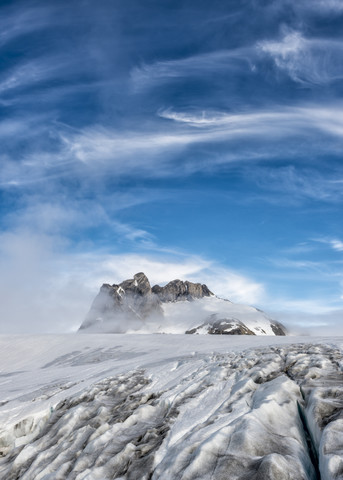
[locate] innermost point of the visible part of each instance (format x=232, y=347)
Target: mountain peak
x=139, y=284
x=133, y=305
x=177, y=290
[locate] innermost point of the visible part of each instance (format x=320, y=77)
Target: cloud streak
x=300, y=183
x=148, y=75
x=152, y=152
x=282, y=121
x=335, y=243
x=307, y=61
x=16, y=23
x=321, y=6
x=34, y=72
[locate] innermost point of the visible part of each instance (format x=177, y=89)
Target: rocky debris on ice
x=178, y=307
x=221, y=326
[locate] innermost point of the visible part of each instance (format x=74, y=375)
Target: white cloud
x=100, y=145
x=311, y=316
x=335, y=243
x=322, y=6
x=65, y=217
x=47, y=282
x=296, y=264
x=45, y=287
x=34, y=295
x=317, y=323
x=291, y=44
x=18, y=21
x=309, y=306
x=148, y=75
x=294, y=184
x=203, y=118
x=310, y=61
x=274, y=125
x=223, y=282
x=32, y=72
x=307, y=61
x=159, y=271
x=151, y=152
x=282, y=121
x=233, y=286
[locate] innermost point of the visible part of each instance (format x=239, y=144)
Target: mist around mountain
x=178, y=307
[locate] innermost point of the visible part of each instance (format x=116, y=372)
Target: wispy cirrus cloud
x=320, y=6
x=335, y=243
x=306, y=265
x=299, y=183
x=152, y=151
x=17, y=126
x=148, y=75
x=309, y=61
x=30, y=73
x=281, y=119
x=203, y=118
x=15, y=23
x=305, y=9
x=69, y=218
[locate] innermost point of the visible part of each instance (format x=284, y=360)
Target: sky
x=186, y=139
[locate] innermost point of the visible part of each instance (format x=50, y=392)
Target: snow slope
x=170, y=407
x=181, y=316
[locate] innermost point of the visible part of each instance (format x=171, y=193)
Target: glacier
x=184, y=407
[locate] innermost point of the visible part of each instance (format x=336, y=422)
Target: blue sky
x=188, y=139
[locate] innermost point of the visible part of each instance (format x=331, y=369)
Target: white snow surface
x=171, y=407
x=185, y=315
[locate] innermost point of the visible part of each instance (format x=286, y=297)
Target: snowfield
x=171, y=407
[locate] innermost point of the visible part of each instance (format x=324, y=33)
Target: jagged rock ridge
x=178, y=290
x=134, y=306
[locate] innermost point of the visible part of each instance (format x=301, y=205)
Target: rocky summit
x=178, y=290
x=178, y=307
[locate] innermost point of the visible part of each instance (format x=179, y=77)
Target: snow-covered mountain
x=161, y=407
x=178, y=307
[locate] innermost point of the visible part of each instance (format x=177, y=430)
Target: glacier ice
x=272, y=412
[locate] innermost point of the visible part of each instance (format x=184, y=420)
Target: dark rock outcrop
x=178, y=290
x=138, y=285
x=277, y=328
x=222, y=326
